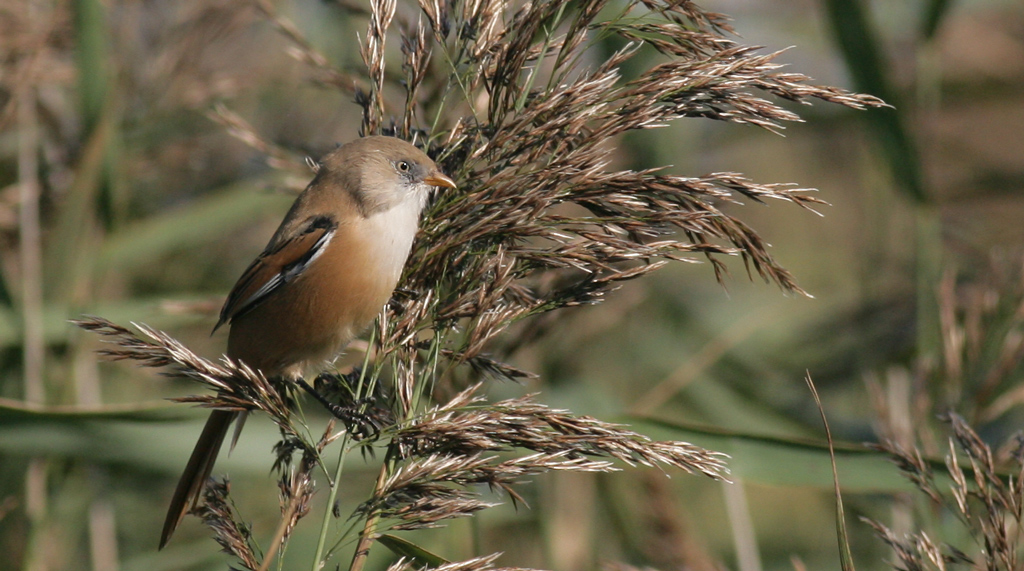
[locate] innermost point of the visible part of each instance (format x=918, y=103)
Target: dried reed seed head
x=237, y=386
x=483, y=563
x=234, y=536
x=515, y=198
x=465, y=429
x=984, y=498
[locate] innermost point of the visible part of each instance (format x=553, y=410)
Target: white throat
x=394, y=231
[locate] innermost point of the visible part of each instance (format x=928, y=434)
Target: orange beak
x=439, y=179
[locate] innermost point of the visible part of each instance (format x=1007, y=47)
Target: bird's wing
x=279, y=264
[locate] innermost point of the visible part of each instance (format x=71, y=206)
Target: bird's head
x=383, y=172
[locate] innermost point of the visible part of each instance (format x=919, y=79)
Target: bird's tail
x=197, y=471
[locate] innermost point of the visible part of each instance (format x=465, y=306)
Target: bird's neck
x=394, y=230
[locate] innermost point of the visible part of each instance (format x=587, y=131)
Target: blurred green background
x=120, y=196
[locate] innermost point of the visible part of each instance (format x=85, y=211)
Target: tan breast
x=312, y=318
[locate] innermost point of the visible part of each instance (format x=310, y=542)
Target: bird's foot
x=358, y=422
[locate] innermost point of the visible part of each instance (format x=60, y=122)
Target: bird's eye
x=403, y=166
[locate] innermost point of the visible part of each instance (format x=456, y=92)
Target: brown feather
x=197, y=471
x=303, y=324
x=271, y=264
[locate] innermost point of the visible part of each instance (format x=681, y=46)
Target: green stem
x=360, y=392
x=332, y=496
x=424, y=387
x=548, y=33
x=366, y=536
x=927, y=222
x=453, y=65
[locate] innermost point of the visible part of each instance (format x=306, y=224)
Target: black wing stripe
x=285, y=273
x=288, y=273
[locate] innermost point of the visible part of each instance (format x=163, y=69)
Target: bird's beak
x=439, y=179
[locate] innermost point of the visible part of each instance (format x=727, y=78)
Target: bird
x=323, y=278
